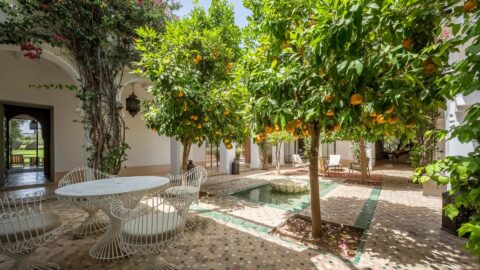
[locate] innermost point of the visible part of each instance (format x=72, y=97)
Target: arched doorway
x=27, y=145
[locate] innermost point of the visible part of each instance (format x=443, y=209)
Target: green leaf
x=450, y=211
x=274, y=64
x=424, y=179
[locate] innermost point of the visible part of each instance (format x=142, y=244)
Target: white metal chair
x=298, y=162
x=154, y=225
x=92, y=224
x=355, y=166
x=24, y=227
x=189, y=182
x=334, y=163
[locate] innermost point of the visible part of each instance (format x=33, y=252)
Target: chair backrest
x=20, y=220
x=334, y=160
x=297, y=159
x=17, y=159
x=194, y=177
x=157, y=221
x=83, y=174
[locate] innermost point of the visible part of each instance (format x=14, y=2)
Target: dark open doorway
x=27, y=145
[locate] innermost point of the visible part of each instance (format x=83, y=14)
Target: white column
x=370, y=151
x=255, y=162
x=226, y=158
x=176, y=151
x=282, y=154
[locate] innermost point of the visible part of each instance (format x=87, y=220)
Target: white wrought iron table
x=101, y=193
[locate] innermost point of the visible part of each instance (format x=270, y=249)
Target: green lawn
x=27, y=154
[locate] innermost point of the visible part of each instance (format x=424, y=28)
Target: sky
x=241, y=12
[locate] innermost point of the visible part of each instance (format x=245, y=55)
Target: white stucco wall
x=147, y=148
x=17, y=73
x=344, y=149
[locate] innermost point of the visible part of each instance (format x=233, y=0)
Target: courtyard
x=402, y=229
x=228, y=134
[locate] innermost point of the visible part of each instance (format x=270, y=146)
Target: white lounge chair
x=154, y=225
x=92, y=224
x=189, y=182
x=24, y=227
x=334, y=163
x=298, y=162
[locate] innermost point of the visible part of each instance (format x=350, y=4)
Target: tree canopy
x=190, y=67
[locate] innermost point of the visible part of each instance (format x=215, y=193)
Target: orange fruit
x=199, y=126
x=373, y=114
x=330, y=113
x=306, y=132
x=393, y=120
x=277, y=127
x=356, y=99
x=337, y=128
x=328, y=98
x=180, y=94
x=226, y=141
x=429, y=67
x=268, y=129
x=226, y=112
x=410, y=124
x=380, y=119
x=469, y=6
x=298, y=123
x=289, y=127
x=390, y=109
x=194, y=117
x=407, y=43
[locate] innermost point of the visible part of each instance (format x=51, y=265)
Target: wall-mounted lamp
x=133, y=104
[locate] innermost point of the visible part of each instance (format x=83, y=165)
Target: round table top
x=112, y=186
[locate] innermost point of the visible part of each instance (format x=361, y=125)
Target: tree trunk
x=277, y=157
x=314, y=184
x=363, y=159
x=186, y=152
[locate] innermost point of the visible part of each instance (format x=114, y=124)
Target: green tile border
x=245, y=224
x=364, y=220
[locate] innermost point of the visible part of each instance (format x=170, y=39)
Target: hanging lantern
x=133, y=104
x=33, y=125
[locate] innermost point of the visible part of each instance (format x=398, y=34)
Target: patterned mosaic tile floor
x=402, y=231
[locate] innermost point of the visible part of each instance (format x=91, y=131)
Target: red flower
x=60, y=37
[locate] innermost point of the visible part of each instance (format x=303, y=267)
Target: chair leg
x=190, y=223
x=157, y=263
x=91, y=225
x=25, y=260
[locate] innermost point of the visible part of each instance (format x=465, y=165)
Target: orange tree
x=189, y=66
x=339, y=68
x=380, y=61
